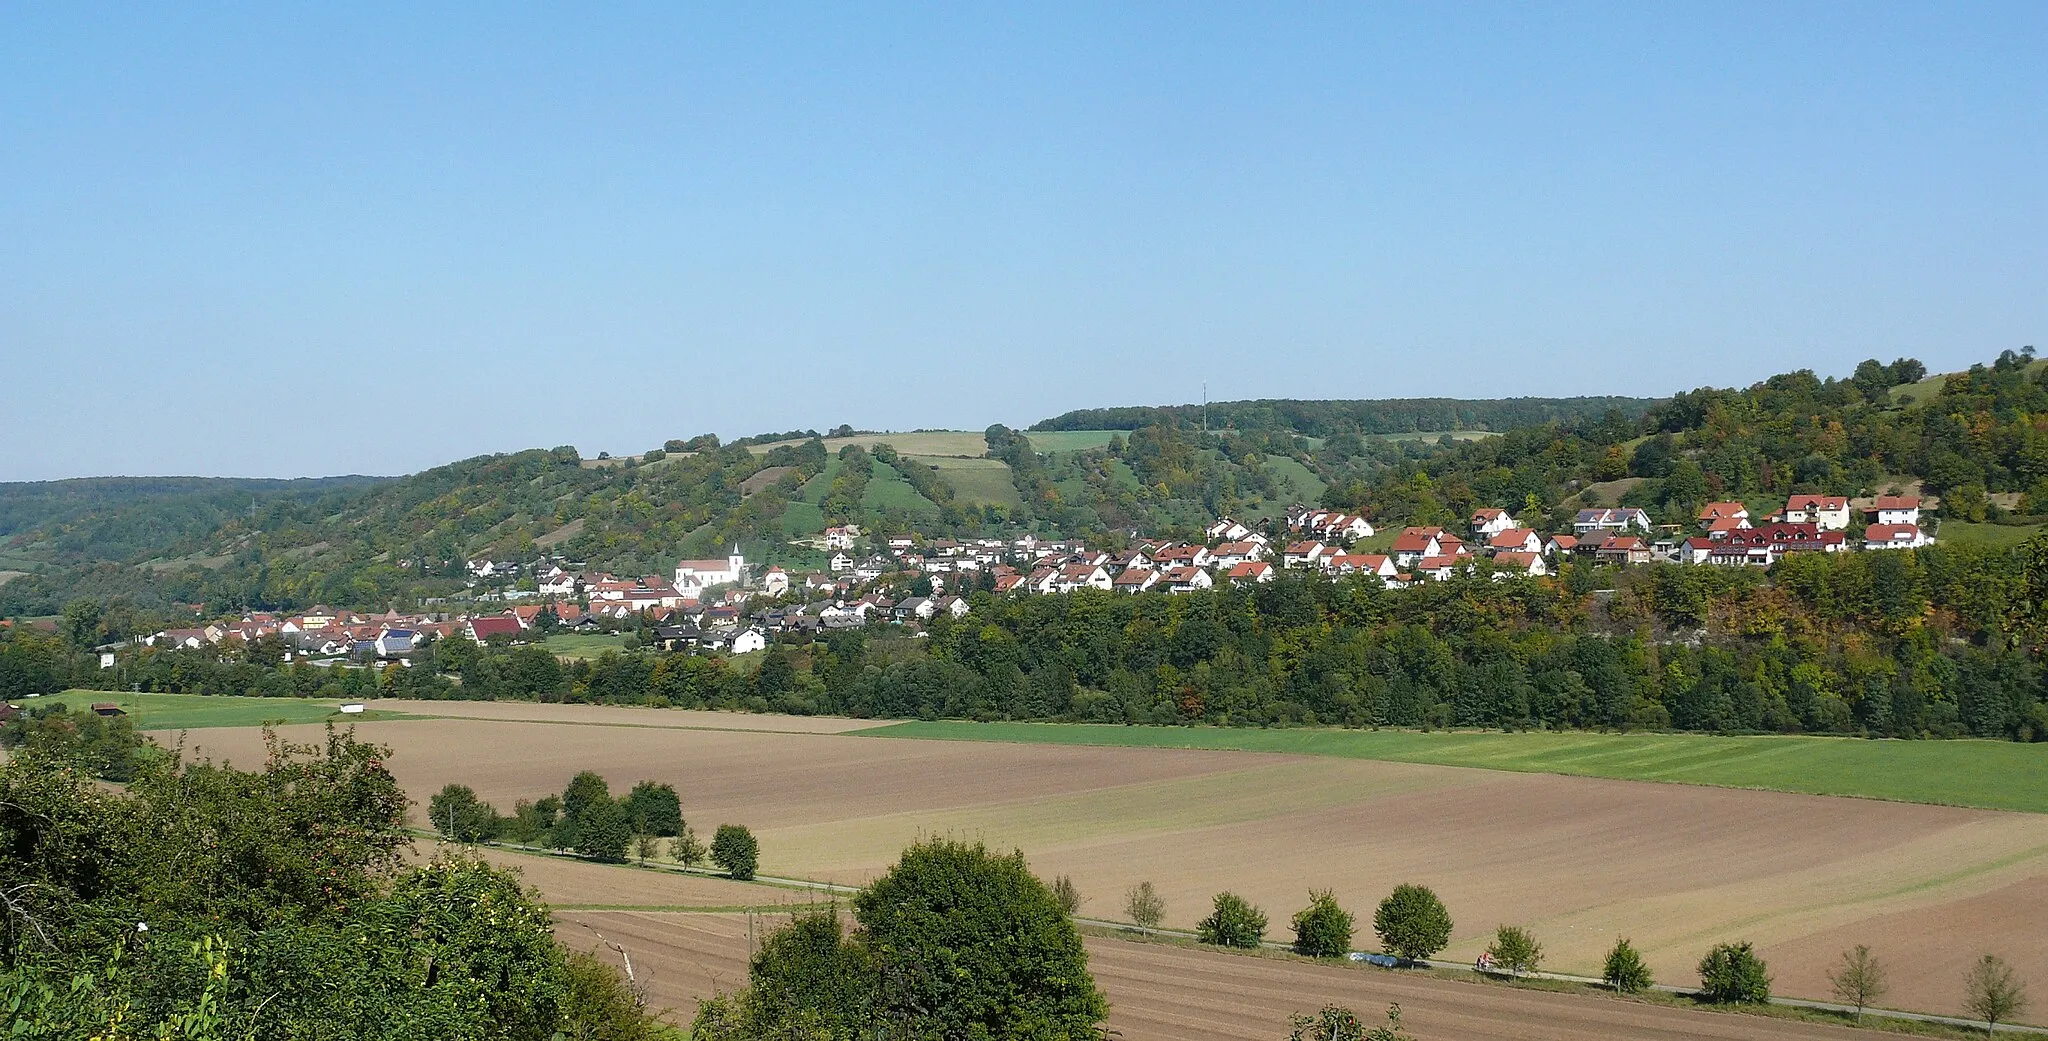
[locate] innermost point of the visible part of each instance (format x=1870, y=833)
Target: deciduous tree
x=1145, y=906
x=1732, y=974
x=1412, y=922
x=1859, y=980
x=1515, y=950
x=1992, y=993
x=1233, y=923
x=1322, y=929
x=1624, y=969
x=734, y=849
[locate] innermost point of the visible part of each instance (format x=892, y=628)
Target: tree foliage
x=1412, y=922
x=1145, y=906
x=1624, y=969
x=1731, y=973
x=1992, y=993
x=1515, y=950
x=1234, y=922
x=1859, y=980
x=1323, y=928
x=734, y=849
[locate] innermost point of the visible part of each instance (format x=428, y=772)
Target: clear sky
x=275, y=240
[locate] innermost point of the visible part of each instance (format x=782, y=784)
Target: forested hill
x=1978, y=439
x=1325, y=418
x=114, y=517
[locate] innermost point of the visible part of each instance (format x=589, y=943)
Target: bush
x=1624, y=970
x=1732, y=974
x=1068, y=895
x=1234, y=923
x=734, y=849
x=655, y=809
x=1412, y=922
x=1322, y=929
x=1145, y=906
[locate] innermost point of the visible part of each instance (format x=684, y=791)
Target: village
x=726, y=606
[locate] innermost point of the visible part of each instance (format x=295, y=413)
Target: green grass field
x=583, y=645
x=1995, y=536
x=887, y=488
x=1987, y=774
x=200, y=711
x=975, y=481
x=1433, y=435
x=1047, y=441
x=924, y=442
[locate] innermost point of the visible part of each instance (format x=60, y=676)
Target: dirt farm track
x=1579, y=861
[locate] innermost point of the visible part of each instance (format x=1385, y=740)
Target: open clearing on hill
x=619, y=715
x=1159, y=992
x=1578, y=860
x=923, y=442
x=197, y=711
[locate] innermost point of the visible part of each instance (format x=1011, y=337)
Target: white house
x=1828, y=512
x=841, y=537
x=1303, y=554
x=1520, y=562
x=1488, y=522
x=1515, y=540
x=775, y=582
x=1186, y=579
x=1590, y=521
x=1227, y=530
x=749, y=639
x=393, y=642
x=1251, y=571
x=1895, y=536
x=1898, y=509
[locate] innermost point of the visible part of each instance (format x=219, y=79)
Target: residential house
x=1789, y=537
x=1734, y=554
x=842, y=536
x=1560, y=545
x=1624, y=549
x=1303, y=554
x=1898, y=509
x=1514, y=540
x=749, y=640
x=1895, y=536
x=1227, y=530
x=1520, y=562
x=1186, y=579
x=841, y=562
x=483, y=628
x=1723, y=511
x=1488, y=522
x=394, y=642
x=1694, y=550
x=1593, y=521
x=1136, y=579
x=1377, y=564
x=1250, y=572
x=1082, y=576
x=1231, y=554
x=955, y=606
x=1828, y=512
x=1414, y=544
x=1437, y=568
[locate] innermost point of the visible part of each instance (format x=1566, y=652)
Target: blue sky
x=265, y=240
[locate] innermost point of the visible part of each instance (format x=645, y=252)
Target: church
x=693, y=577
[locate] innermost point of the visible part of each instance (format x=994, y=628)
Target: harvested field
x=1577, y=860
x=1159, y=992
x=567, y=883
x=620, y=715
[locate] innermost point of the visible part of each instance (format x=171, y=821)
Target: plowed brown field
x=1579, y=861
x=1165, y=993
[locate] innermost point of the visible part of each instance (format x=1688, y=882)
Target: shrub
x=1067, y=894
x=734, y=849
x=1322, y=929
x=1625, y=971
x=1233, y=923
x=1412, y=922
x=1732, y=974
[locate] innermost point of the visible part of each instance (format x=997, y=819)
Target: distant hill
x=1326, y=418
x=1098, y=474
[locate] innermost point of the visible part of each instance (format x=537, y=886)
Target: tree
x=460, y=816
x=1515, y=950
x=1233, y=923
x=1991, y=993
x=585, y=790
x=1337, y=1023
x=1068, y=895
x=968, y=944
x=604, y=832
x=646, y=847
x=1859, y=981
x=655, y=809
x=734, y=849
x=1322, y=929
x=1412, y=922
x=1145, y=906
x=1732, y=974
x=686, y=849
x=1624, y=969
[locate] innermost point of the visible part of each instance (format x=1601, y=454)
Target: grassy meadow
x=583, y=645
x=202, y=711
x=1985, y=774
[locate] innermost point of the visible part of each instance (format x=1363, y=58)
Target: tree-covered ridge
x=1985, y=433
x=1329, y=418
x=134, y=518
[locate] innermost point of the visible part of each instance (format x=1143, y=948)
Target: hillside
x=371, y=542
